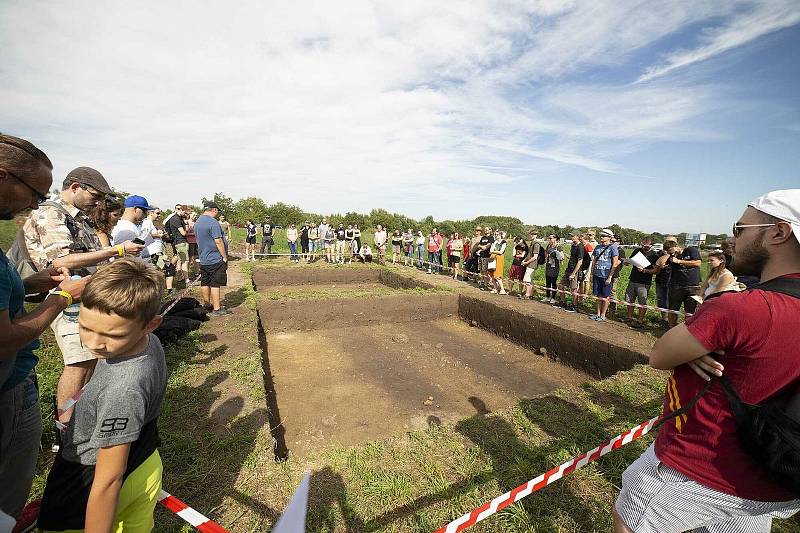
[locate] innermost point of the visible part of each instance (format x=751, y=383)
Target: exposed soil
x=357, y=383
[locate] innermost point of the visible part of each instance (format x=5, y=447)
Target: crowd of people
x=101, y=266
x=100, y=269
x=572, y=271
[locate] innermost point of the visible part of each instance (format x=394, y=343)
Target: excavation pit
x=357, y=354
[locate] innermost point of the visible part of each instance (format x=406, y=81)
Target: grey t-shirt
x=121, y=397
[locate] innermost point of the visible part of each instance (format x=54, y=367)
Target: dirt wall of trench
x=595, y=355
x=344, y=312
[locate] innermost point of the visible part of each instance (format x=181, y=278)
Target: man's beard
x=750, y=261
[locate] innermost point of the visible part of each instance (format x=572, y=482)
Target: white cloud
x=350, y=105
x=765, y=17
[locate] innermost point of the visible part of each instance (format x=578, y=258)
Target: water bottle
x=71, y=312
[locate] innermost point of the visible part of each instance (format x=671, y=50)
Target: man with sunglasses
x=58, y=234
x=698, y=475
x=25, y=177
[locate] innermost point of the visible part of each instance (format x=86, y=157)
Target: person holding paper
x=642, y=261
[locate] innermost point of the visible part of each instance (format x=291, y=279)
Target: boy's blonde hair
x=127, y=287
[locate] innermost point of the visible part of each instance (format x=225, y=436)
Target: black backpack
x=542, y=256
x=769, y=432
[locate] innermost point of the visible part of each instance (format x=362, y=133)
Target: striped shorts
x=659, y=499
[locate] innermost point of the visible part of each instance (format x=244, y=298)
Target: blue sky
x=665, y=116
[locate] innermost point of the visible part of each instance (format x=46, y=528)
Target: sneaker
x=502, y=292
x=570, y=309
x=222, y=311
x=601, y=319
x=493, y=291
x=593, y=317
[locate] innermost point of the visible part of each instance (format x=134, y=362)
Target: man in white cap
x=605, y=260
x=698, y=475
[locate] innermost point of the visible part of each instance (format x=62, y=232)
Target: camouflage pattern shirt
x=57, y=229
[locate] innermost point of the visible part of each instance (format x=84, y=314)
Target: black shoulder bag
x=769, y=432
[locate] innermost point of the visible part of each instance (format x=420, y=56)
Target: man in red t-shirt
x=696, y=476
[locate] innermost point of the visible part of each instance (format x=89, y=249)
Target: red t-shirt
x=760, y=333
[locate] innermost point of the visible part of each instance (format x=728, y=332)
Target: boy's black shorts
x=215, y=275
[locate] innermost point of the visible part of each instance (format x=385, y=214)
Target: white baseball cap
x=784, y=204
x=607, y=233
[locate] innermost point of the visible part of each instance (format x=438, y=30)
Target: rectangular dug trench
x=396, y=357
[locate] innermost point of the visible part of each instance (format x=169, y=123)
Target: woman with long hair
x=719, y=277
x=104, y=217
x=454, y=251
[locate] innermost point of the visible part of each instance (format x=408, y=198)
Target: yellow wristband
x=63, y=294
x=120, y=250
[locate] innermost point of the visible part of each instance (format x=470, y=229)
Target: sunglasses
x=40, y=198
x=94, y=194
x=737, y=228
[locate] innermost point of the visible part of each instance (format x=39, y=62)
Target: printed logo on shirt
x=675, y=403
x=111, y=426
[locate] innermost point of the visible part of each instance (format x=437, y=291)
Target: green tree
x=251, y=208
x=226, y=206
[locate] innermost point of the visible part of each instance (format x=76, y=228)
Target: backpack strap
x=783, y=285
x=686, y=408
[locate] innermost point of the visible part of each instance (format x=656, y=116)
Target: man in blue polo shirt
x=213, y=248
x=605, y=259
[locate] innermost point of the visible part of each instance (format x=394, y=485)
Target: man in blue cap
x=129, y=227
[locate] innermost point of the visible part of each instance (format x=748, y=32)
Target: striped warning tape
x=195, y=519
x=501, y=502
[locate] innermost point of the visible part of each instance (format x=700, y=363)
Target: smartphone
x=137, y=240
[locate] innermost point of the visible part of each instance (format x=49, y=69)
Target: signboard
x=695, y=239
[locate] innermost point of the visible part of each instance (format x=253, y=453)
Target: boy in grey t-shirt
x=108, y=470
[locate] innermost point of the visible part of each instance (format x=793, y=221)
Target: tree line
x=256, y=209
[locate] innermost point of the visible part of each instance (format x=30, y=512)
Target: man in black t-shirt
x=304, y=240
x=640, y=280
x=684, y=280
x=266, y=235
x=176, y=228
x=570, y=278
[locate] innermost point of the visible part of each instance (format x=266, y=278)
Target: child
x=107, y=474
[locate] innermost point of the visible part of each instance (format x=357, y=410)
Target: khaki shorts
x=182, y=250
x=69, y=341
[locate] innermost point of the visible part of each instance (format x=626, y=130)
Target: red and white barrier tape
x=501, y=502
x=194, y=518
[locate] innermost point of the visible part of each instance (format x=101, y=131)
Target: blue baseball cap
x=138, y=201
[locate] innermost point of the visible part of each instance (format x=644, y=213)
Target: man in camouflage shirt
x=58, y=234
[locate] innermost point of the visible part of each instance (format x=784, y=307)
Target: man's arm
x=688, y=263
x=221, y=247
x=44, y=280
x=101, y=509
x=677, y=347
x=577, y=268
x=14, y=334
x=84, y=259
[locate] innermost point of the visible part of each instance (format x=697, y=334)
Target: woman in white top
x=456, y=246
x=719, y=278
x=291, y=239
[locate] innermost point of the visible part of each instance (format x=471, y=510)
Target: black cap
x=92, y=178
x=210, y=205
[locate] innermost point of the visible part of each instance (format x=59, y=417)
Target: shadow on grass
x=570, y=429
x=235, y=298
x=205, y=444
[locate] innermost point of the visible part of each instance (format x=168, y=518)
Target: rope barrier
x=189, y=515
x=539, y=482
